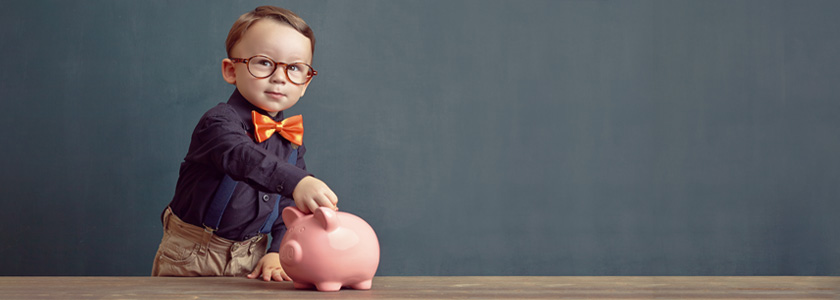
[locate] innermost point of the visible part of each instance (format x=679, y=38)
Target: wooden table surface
x=519, y=287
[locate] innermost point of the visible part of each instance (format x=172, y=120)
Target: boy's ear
x=229, y=71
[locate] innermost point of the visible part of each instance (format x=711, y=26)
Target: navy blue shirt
x=223, y=143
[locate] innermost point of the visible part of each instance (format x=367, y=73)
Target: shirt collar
x=243, y=108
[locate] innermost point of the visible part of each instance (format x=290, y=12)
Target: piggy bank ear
x=327, y=218
x=291, y=214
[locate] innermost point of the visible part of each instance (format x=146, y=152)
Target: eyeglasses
x=261, y=66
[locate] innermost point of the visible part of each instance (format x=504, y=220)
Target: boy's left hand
x=269, y=267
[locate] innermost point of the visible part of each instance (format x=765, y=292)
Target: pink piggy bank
x=328, y=249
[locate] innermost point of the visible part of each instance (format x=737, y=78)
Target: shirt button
x=280, y=188
x=265, y=197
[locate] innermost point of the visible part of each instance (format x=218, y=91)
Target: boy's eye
x=265, y=63
x=261, y=62
x=294, y=67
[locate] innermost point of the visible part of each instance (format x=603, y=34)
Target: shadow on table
x=255, y=286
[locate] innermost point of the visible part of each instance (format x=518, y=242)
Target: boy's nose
x=279, y=75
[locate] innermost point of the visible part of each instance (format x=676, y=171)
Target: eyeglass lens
x=262, y=67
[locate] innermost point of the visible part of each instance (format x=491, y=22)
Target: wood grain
x=428, y=288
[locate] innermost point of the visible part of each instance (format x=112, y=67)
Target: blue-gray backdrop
x=642, y=137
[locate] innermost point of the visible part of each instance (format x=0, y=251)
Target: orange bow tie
x=290, y=128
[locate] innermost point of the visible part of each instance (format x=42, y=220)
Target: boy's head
x=281, y=15
x=256, y=39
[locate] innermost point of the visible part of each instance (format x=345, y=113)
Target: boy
x=243, y=156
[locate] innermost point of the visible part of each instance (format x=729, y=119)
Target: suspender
x=214, y=213
x=221, y=198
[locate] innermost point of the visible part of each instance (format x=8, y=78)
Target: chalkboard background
x=477, y=137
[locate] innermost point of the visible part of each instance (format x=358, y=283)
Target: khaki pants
x=189, y=250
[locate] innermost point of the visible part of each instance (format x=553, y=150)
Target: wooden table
x=428, y=288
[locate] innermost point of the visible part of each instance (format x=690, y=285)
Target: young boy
x=244, y=156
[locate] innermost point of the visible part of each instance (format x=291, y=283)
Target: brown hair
x=267, y=12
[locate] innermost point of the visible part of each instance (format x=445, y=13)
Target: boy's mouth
x=275, y=94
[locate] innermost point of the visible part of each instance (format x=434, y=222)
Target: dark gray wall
x=477, y=137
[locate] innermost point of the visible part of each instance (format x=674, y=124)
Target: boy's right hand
x=311, y=193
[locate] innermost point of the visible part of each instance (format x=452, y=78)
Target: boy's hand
x=269, y=267
x=311, y=193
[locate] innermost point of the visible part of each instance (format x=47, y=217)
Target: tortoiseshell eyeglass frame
x=309, y=76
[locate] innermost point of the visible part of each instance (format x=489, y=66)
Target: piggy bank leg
x=328, y=286
x=364, y=285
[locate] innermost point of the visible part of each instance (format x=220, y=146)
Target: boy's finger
x=256, y=272
x=277, y=275
x=313, y=206
x=325, y=201
x=302, y=206
x=333, y=198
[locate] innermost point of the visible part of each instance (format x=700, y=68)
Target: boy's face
x=281, y=43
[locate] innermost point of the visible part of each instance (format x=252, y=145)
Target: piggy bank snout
x=290, y=253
